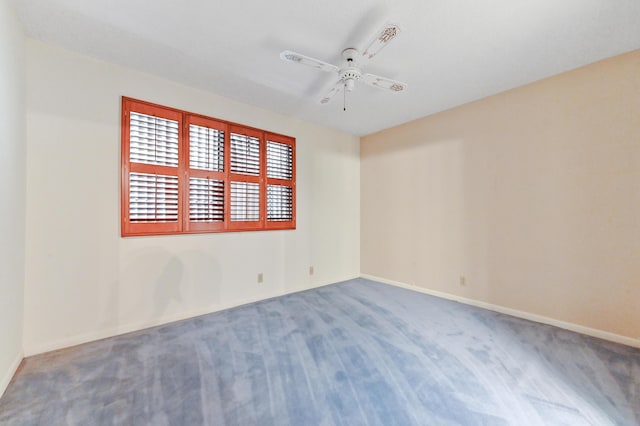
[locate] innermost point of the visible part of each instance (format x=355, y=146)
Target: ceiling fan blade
x=334, y=91
x=382, y=38
x=384, y=83
x=290, y=56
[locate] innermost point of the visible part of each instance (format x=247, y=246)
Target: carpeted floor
x=353, y=353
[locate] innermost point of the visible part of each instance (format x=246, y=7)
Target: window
x=186, y=173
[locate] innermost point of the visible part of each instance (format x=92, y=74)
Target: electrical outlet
x=260, y=278
x=311, y=270
x=463, y=280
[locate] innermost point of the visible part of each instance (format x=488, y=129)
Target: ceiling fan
x=351, y=71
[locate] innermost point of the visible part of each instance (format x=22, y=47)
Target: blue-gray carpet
x=353, y=353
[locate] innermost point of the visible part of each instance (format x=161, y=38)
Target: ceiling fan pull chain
x=344, y=102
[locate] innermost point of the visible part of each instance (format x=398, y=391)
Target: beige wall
x=12, y=198
x=84, y=282
x=533, y=195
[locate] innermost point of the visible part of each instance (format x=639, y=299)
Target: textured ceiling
x=450, y=52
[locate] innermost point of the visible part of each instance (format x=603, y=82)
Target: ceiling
x=449, y=52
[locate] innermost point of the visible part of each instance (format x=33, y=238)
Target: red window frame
x=273, y=137
x=184, y=172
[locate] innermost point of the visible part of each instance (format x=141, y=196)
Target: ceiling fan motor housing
x=351, y=73
x=350, y=54
x=349, y=76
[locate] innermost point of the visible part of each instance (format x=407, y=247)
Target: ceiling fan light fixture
x=349, y=84
x=351, y=71
x=349, y=77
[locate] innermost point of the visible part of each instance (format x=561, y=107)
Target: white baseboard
x=605, y=335
x=129, y=328
x=4, y=383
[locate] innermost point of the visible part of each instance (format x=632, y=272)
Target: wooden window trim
x=273, y=137
x=202, y=227
x=184, y=173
